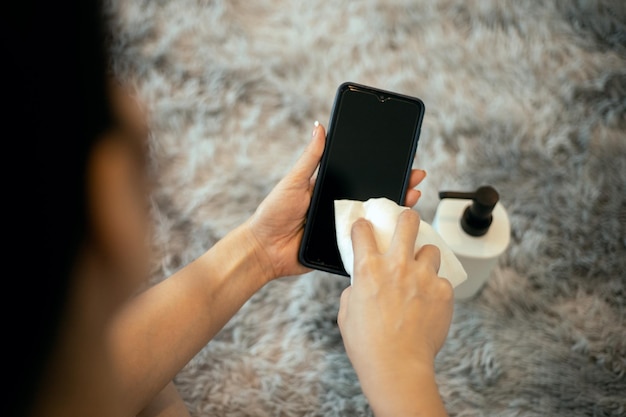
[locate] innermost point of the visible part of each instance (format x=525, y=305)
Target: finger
x=430, y=256
x=403, y=241
x=417, y=176
x=363, y=240
x=412, y=197
x=307, y=164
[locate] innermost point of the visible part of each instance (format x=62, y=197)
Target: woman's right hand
x=395, y=318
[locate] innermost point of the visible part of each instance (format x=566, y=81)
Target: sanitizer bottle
x=477, y=229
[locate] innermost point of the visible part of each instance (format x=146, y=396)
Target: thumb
x=309, y=160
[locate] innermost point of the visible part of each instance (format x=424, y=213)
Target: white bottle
x=478, y=232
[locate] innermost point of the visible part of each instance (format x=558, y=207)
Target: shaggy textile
x=527, y=96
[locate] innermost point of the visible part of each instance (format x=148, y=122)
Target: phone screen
x=371, y=142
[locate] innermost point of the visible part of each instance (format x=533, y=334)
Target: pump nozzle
x=477, y=216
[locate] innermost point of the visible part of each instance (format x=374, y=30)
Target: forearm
x=167, y=403
x=412, y=392
x=162, y=329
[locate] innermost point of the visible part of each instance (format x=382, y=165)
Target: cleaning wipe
x=383, y=214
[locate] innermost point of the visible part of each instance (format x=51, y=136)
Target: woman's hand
x=278, y=223
x=395, y=318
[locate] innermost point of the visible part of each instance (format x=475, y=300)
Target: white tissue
x=383, y=214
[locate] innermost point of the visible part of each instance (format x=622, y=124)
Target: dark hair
x=55, y=64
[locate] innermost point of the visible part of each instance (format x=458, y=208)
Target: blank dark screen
x=369, y=154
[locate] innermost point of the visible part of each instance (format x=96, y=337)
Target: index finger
x=363, y=240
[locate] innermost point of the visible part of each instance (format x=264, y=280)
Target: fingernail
x=316, y=126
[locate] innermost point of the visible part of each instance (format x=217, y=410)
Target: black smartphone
x=370, y=146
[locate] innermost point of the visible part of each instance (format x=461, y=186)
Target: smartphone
x=371, y=142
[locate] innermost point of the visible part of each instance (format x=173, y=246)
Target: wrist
x=258, y=256
x=408, y=390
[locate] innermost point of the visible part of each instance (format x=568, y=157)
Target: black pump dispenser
x=477, y=216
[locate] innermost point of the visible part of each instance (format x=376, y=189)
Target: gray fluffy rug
x=527, y=96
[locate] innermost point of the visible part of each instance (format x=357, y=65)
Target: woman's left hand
x=278, y=223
